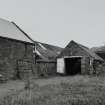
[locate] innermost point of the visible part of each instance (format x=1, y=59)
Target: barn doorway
x=73, y=65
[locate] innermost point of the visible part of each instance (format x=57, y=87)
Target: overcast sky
x=58, y=21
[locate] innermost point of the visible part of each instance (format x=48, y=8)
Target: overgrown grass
x=88, y=91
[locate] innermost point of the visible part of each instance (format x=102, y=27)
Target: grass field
x=75, y=90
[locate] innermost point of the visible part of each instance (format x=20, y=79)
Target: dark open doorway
x=73, y=66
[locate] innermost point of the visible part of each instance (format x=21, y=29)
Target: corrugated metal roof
x=11, y=30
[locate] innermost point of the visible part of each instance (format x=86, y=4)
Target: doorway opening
x=73, y=65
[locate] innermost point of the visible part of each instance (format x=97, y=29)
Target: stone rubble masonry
x=10, y=52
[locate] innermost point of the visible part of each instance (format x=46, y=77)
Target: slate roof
x=47, y=52
x=86, y=49
x=98, y=49
x=11, y=30
x=91, y=53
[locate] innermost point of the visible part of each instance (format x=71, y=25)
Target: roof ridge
x=4, y=19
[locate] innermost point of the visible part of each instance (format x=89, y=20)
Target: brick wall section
x=10, y=52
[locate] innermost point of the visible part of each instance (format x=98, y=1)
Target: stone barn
x=16, y=51
x=45, y=58
x=77, y=59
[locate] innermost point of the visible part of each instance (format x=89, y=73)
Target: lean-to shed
x=77, y=59
x=100, y=51
x=16, y=50
x=45, y=58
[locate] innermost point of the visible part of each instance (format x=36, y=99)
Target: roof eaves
x=95, y=56
x=89, y=51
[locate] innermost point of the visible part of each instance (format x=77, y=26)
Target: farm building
x=100, y=51
x=16, y=51
x=77, y=59
x=45, y=58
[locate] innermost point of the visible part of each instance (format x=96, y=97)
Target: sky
x=57, y=22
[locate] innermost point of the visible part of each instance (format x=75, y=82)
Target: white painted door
x=60, y=65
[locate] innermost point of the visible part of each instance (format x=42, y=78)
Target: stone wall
x=99, y=68
x=46, y=68
x=10, y=52
x=25, y=69
x=85, y=66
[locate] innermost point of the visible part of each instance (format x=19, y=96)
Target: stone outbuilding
x=16, y=51
x=77, y=59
